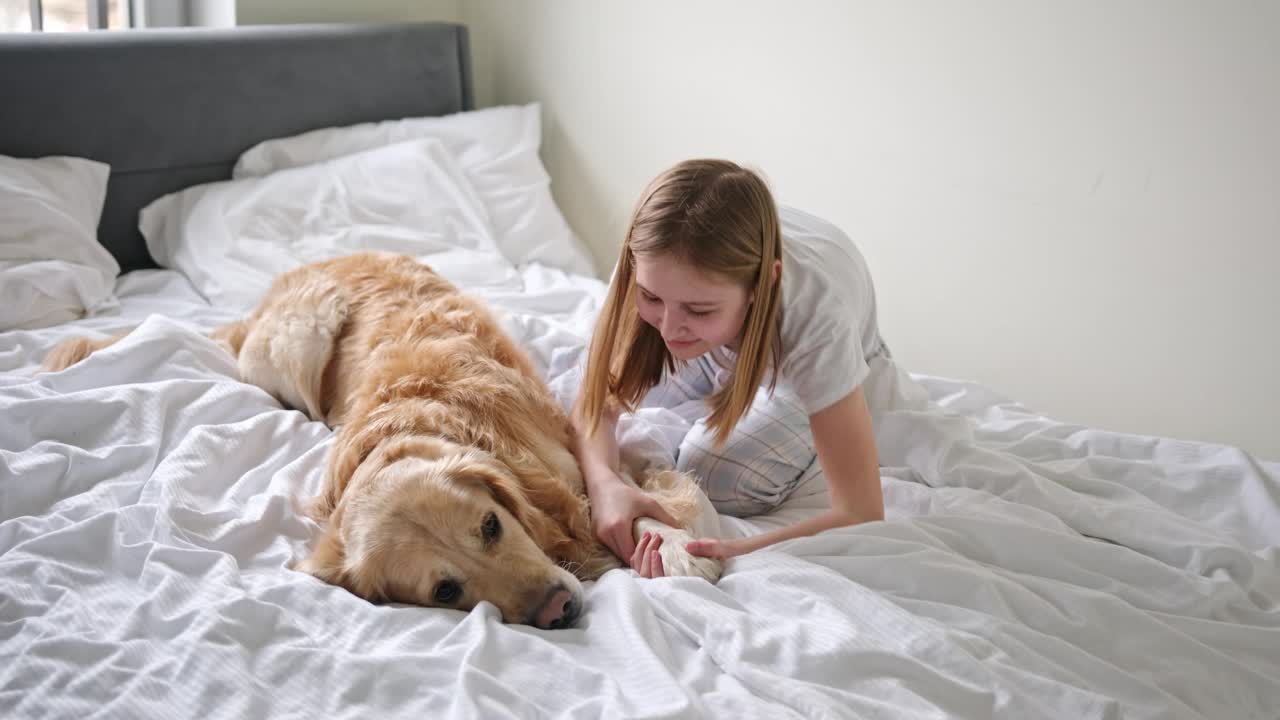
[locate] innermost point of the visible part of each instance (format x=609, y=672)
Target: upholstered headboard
x=172, y=108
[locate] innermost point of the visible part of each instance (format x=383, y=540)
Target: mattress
x=1026, y=567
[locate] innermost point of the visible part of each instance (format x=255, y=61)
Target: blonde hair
x=720, y=218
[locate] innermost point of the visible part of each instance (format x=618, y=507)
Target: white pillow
x=496, y=147
x=52, y=268
x=232, y=238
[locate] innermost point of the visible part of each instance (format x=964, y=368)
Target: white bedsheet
x=1027, y=568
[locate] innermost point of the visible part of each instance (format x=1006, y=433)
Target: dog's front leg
x=676, y=561
x=680, y=496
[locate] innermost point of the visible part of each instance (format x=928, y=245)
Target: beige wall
x=264, y=12
x=1077, y=204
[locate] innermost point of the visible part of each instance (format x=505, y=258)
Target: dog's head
x=428, y=522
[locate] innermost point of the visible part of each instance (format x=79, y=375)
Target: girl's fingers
x=642, y=549
x=703, y=548
x=652, y=558
x=646, y=561
x=637, y=555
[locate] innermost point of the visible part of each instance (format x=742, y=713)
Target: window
x=64, y=15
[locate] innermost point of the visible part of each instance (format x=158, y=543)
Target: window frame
x=98, y=14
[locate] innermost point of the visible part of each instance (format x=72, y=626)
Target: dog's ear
x=352, y=445
x=545, y=531
x=329, y=563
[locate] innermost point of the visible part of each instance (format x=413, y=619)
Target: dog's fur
x=451, y=479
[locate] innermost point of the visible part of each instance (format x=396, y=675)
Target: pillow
x=497, y=148
x=52, y=268
x=232, y=238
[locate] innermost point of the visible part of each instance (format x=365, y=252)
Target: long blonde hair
x=722, y=219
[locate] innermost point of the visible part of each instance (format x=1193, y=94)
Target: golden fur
x=450, y=481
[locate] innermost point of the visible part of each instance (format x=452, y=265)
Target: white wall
x=1077, y=204
x=184, y=13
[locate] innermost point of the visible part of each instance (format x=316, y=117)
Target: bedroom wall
x=1077, y=204
x=264, y=12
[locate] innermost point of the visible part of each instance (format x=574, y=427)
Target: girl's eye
x=700, y=313
x=647, y=297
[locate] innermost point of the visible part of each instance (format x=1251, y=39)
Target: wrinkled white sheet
x=1027, y=568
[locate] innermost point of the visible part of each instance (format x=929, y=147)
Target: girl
x=769, y=316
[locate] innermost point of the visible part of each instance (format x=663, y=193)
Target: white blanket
x=1027, y=568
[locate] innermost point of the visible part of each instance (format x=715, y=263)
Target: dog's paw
x=676, y=561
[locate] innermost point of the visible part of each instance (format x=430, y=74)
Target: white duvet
x=1027, y=568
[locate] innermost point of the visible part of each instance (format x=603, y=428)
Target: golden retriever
x=451, y=479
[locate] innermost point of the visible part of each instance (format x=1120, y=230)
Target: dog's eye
x=491, y=530
x=447, y=592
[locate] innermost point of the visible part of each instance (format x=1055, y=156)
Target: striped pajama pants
x=768, y=454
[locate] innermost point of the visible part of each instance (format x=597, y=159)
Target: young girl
x=769, y=315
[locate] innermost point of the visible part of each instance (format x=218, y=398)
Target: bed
x=148, y=500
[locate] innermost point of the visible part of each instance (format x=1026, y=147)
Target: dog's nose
x=572, y=610
x=558, y=611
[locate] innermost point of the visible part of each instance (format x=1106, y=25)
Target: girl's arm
x=846, y=448
x=615, y=504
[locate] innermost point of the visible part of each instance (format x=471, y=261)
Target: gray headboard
x=172, y=108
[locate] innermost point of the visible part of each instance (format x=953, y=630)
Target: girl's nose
x=670, y=324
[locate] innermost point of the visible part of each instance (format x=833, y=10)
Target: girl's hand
x=646, y=560
x=614, y=509
x=716, y=548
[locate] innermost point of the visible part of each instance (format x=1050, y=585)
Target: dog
x=451, y=480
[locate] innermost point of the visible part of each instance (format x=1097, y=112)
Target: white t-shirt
x=829, y=330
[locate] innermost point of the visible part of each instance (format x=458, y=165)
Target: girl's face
x=694, y=311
